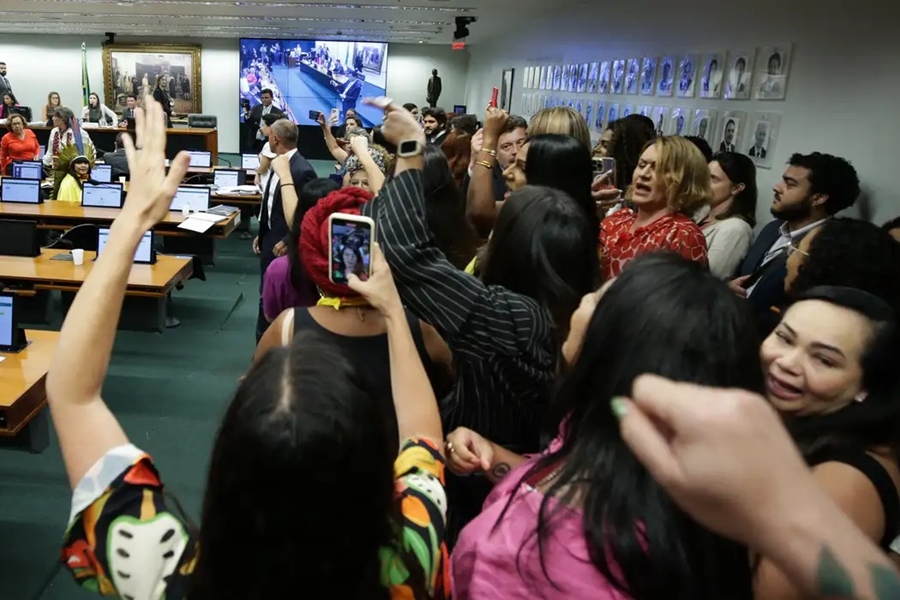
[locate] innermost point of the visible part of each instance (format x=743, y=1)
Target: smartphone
x=335, y=113
x=350, y=239
x=605, y=165
x=314, y=115
x=494, y=96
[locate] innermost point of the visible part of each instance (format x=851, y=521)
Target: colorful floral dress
x=123, y=540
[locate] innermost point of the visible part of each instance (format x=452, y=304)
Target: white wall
x=39, y=64
x=409, y=69
x=843, y=87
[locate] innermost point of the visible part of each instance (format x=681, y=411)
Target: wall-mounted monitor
x=309, y=75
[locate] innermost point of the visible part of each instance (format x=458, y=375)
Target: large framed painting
x=136, y=68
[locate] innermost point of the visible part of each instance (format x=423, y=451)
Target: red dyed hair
x=314, y=251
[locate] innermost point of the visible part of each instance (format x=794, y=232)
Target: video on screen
x=308, y=75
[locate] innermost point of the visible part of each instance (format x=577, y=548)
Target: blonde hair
x=562, y=120
x=684, y=171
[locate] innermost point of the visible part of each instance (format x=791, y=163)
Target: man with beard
x=813, y=188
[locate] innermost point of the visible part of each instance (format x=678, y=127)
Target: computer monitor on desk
x=12, y=336
x=201, y=159
x=23, y=191
x=250, y=162
x=195, y=198
x=224, y=178
x=145, y=253
x=101, y=195
x=28, y=169
x=102, y=173
x=19, y=238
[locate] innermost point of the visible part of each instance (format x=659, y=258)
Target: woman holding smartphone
x=301, y=414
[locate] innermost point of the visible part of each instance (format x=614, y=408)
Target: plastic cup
x=78, y=257
x=121, y=179
x=186, y=209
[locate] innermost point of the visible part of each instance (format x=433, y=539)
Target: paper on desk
x=211, y=217
x=237, y=189
x=194, y=224
x=2, y=358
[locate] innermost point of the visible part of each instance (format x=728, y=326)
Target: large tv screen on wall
x=307, y=75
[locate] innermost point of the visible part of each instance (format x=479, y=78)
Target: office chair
x=84, y=236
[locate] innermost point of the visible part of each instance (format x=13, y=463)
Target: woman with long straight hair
x=584, y=519
x=728, y=226
x=306, y=493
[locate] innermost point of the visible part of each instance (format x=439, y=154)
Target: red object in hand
x=494, y=95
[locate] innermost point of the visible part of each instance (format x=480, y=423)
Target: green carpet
x=169, y=391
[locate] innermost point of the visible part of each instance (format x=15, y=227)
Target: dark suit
x=723, y=147
x=256, y=114
x=276, y=229
x=119, y=163
x=351, y=94
x=128, y=115
x=434, y=90
x=760, y=153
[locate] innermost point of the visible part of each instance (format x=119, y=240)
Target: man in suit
x=727, y=144
x=813, y=188
x=434, y=89
x=127, y=120
x=434, y=121
x=117, y=159
x=257, y=139
x=759, y=147
x=5, y=86
x=274, y=227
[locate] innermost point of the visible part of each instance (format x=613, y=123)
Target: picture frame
x=648, y=76
x=660, y=119
x=704, y=125
x=593, y=77
x=773, y=66
x=665, y=83
x=712, y=75
x=506, y=88
x=738, y=79
x=605, y=76
x=132, y=68
x=618, y=76
x=679, y=121
x=731, y=132
x=687, y=76
x=632, y=76
x=762, y=136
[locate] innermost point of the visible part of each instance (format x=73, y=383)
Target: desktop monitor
x=250, y=162
x=196, y=198
x=145, y=254
x=101, y=195
x=229, y=178
x=28, y=169
x=43, y=150
x=19, y=238
x=25, y=191
x=12, y=337
x=200, y=159
x=102, y=173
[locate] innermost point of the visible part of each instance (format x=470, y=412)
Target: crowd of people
x=548, y=381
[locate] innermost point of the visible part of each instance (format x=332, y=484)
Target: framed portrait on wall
x=599, y=115
x=729, y=139
x=679, y=121
x=666, y=83
x=589, y=112
x=605, y=77
x=627, y=109
x=660, y=118
x=711, y=75
x=573, y=77
x=763, y=135
x=704, y=125
x=526, y=82
x=687, y=76
x=583, y=77
x=542, y=84
x=645, y=110
x=564, y=78
x=612, y=113
x=557, y=78
x=506, y=89
x=740, y=73
x=618, y=77
x=632, y=76
x=593, y=76
x=136, y=68
x=648, y=76
x=773, y=65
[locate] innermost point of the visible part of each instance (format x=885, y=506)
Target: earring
x=861, y=396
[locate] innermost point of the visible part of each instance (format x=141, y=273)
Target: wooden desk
x=43, y=273
x=177, y=138
x=22, y=390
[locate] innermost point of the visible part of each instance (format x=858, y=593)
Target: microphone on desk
x=224, y=160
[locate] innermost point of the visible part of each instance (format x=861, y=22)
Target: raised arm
x=113, y=117
x=481, y=205
x=87, y=429
x=337, y=152
x=360, y=147
x=414, y=401
x=474, y=320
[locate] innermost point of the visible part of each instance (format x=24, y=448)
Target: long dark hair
x=543, y=247
x=739, y=169
x=445, y=210
x=562, y=162
x=77, y=161
x=874, y=422
x=668, y=316
x=630, y=136
x=294, y=451
x=310, y=193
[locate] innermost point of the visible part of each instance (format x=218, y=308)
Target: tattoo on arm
x=835, y=581
x=500, y=470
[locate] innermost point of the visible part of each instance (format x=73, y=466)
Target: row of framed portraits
x=753, y=134
x=734, y=75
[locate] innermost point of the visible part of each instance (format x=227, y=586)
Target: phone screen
x=351, y=249
x=606, y=165
x=314, y=115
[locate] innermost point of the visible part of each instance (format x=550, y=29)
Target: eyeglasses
x=791, y=248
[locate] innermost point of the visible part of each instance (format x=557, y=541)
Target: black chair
x=84, y=236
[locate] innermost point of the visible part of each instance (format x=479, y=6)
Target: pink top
x=502, y=563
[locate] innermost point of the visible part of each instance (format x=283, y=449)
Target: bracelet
x=491, y=152
x=485, y=164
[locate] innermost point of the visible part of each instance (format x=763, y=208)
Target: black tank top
x=370, y=358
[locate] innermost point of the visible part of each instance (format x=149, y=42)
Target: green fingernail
x=619, y=406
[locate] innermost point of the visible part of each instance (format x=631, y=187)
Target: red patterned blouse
x=674, y=232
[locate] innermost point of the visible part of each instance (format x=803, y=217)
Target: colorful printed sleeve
x=419, y=481
x=121, y=539
x=688, y=241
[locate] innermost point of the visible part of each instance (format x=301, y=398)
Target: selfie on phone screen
x=350, y=250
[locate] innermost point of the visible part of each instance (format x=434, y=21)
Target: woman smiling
x=19, y=144
x=671, y=180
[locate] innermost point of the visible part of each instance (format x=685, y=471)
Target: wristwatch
x=410, y=148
